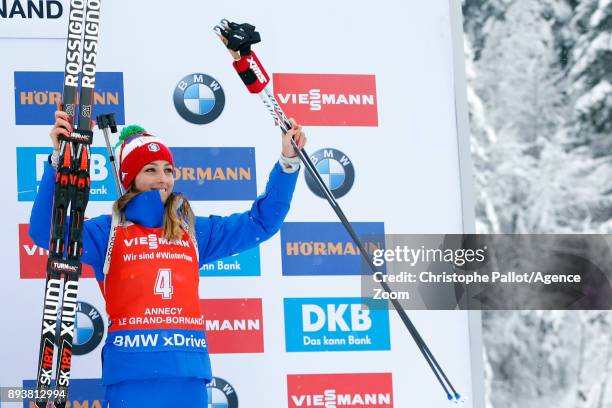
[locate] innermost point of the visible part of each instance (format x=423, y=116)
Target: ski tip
x=457, y=396
x=449, y=396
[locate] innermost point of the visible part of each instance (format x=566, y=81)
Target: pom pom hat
x=137, y=149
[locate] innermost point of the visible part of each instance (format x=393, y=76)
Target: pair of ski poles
x=238, y=38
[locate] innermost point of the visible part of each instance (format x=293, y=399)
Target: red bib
x=152, y=282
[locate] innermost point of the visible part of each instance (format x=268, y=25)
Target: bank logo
x=215, y=173
x=340, y=390
x=336, y=324
x=30, y=166
x=199, y=98
x=328, y=99
x=221, y=394
x=33, y=259
x=37, y=94
x=325, y=248
x=89, y=329
x=233, y=325
x=83, y=393
x=336, y=169
x=245, y=263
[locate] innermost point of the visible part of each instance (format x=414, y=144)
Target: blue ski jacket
x=216, y=237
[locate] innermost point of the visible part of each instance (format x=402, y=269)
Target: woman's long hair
x=178, y=215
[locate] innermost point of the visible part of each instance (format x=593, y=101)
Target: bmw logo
x=153, y=147
x=88, y=329
x=221, y=394
x=336, y=170
x=199, y=98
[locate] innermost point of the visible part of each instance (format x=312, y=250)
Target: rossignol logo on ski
x=340, y=390
x=75, y=41
x=199, y=98
x=328, y=99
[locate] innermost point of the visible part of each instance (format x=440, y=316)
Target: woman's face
x=157, y=175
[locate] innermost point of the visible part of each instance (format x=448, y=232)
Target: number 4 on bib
x=163, y=284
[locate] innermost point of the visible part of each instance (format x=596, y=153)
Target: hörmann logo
x=340, y=390
x=30, y=166
x=328, y=99
x=233, y=325
x=336, y=324
x=219, y=173
x=37, y=95
x=51, y=9
x=325, y=248
x=33, y=259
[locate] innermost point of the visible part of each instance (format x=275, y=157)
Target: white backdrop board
x=387, y=76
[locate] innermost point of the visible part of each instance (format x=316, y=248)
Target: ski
x=72, y=184
x=238, y=38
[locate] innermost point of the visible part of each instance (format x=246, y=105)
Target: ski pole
x=107, y=124
x=238, y=38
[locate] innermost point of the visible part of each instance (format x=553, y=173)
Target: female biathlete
x=156, y=354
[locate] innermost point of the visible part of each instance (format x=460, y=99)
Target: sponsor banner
x=325, y=248
x=30, y=167
x=336, y=324
x=87, y=392
x=328, y=99
x=215, y=173
x=37, y=95
x=336, y=170
x=33, y=259
x=199, y=98
x=243, y=264
x=340, y=390
x=234, y=325
x=221, y=394
x=158, y=340
x=33, y=19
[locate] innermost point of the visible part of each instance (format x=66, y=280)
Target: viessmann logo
x=340, y=390
x=325, y=248
x=33, y=259
x=215, y=173
x=328, y=99
x=37, y=95
x=233, y=325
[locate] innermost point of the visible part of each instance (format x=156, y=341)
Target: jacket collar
x=146, y=209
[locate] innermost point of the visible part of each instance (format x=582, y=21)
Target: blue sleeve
x=95, y=230
x=219, y=237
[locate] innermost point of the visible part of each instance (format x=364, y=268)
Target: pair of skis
x=72, y=184
x=238, y=38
